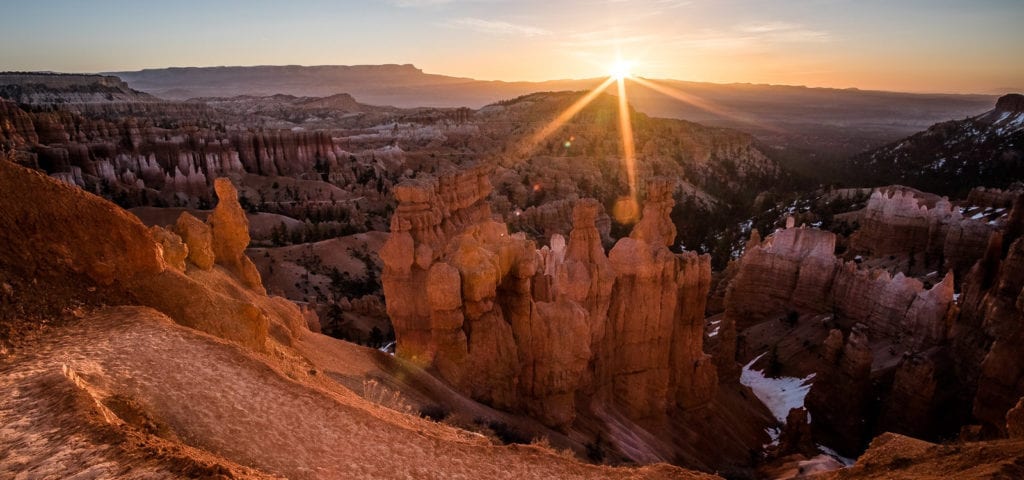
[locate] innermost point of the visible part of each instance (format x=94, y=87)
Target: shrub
x=435, y=412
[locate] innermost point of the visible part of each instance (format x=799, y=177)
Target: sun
x=620, y=69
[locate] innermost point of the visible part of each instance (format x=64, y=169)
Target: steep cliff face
x=77, y=90
x=933, y=364
x=653, y=356
x=529, y=329
x=841, y=396
x=994, y=310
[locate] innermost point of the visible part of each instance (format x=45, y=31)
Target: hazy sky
x=912, y=45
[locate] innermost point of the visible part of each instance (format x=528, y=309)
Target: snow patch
x=781, y=394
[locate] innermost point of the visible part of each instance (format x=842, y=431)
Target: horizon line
x=1002, y=90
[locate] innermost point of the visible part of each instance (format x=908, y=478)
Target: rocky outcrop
x=994, y=197
x=795, y=270
x=109, y=253
x=653, y=356
x=527, y=329
x=796, y=435
x=53, y=88
x=919, y=400
x=556, y=218
x=174, y=250
x=127, y=149
x=896, y=223
x=793, y=276
x=993, y=317
x=230, y=235
x=198, y=236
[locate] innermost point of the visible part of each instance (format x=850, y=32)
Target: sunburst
x=626, y=209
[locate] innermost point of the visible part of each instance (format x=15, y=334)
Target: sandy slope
x=177, y=388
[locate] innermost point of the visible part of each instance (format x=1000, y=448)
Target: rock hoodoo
x=537, y=330
x=230, y=235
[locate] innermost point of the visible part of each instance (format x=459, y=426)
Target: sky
x=904, y=45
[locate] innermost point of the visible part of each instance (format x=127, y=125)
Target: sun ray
x=699, y=102
x=533, y=140
x=627, y=209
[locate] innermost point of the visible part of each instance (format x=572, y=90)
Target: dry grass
x=377, y=393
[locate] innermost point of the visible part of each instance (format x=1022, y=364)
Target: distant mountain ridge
x=954, y=156
x=812, y=129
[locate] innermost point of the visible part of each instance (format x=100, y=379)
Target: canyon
x=515, y=325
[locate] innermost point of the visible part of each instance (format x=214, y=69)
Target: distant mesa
x=1011, y=102
x=33, y=88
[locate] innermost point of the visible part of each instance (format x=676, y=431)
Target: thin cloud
x=745, y=35
x=497, y=27
x=783, y=31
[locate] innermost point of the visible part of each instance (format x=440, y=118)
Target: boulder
x=173, y=248
x=198, y=238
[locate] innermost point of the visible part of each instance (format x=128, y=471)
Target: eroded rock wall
x=795, y=270
x=897, y=223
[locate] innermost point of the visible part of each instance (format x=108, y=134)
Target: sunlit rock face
x=230, y=235
x=528, y=329
x=107, y=252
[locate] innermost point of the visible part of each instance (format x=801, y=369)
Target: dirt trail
x=234, y=408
